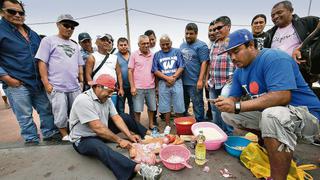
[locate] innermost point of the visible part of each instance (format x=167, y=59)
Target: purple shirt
x=141, y=65
x=63, y=59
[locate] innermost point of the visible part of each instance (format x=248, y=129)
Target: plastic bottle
x=200, y=149
x=167, y=130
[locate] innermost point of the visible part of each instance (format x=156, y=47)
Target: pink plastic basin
x=210, y=144
x=171, y=150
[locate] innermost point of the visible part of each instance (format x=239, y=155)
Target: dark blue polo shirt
x=17, y=55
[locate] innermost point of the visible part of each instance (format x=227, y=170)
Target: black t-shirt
x=259, y=39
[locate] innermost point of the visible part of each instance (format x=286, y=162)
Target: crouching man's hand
x=224, y=104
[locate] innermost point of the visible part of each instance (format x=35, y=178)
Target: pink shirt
x=141, y=65
x=286, y=39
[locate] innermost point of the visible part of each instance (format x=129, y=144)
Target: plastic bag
x=255, y=158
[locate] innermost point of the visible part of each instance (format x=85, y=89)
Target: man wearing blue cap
x=281, y=106
x=85, y=42
x=86, y=45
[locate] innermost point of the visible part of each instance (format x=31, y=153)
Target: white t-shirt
x=154, y=49
x=109, y=67
x=286, y=39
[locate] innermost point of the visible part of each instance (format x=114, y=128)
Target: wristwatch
x=237, y=107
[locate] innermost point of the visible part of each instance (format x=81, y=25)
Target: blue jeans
x=121, y=102
x=197, y=101
x=216, y=114
x=22, y=100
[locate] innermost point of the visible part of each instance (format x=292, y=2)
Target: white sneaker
x=66, y=138
x=150, y=172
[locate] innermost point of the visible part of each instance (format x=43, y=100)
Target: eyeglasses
x=14, y=12
x=218, y=28
x=67, y=26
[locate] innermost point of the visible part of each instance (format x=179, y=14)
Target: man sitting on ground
x=90, y=127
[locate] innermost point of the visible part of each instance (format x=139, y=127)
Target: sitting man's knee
x=273, y=117
x=126, y=117
x=275, y=113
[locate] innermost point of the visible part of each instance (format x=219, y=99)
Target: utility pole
x=127, y=21
x=310, y=2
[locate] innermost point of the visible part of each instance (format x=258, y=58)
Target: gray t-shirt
x=86, y=108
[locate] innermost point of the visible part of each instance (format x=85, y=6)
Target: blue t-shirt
x=274, y=70
x=123, y=63
x=85, y=54
x=167, y=62
x=193, y=54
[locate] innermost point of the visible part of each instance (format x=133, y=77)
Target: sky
x=202, y=11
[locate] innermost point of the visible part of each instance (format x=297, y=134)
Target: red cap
x=105, y=80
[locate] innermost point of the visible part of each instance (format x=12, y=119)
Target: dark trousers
x=121, y=102
x=132, y=125
x=196, y=96
x=121, y=166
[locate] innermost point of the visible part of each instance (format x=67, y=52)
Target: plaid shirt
x=221, y=66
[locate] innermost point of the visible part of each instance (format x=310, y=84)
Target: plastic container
x=200, y=151
x=183, y=125
x=167, y=130
x=210, y=144
x=233, y=144
x=176, y=150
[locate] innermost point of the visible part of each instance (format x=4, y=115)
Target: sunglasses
x=105, y=39
x=218, y=28
x=68, y=26
x=14, y=12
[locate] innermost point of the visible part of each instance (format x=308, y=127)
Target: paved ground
x=60, y=161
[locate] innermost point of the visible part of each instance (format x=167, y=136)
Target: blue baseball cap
x=83, y=36
x=237, y=38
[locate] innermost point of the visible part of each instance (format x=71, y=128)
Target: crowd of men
x=254, y=81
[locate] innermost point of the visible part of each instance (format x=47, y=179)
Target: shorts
x=287, y=124
x=148, y=95
x=171, y=96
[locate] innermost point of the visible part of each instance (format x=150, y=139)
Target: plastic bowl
x=232, y=144
x=210, y=144
x=171, y=150
x=183, y=125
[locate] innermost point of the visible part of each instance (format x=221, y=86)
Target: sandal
x=154, y=129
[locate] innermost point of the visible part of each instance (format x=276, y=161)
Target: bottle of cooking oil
x=200, y=149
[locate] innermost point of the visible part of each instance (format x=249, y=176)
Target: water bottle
x=167, y=130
